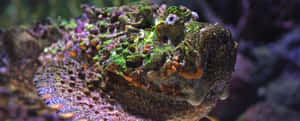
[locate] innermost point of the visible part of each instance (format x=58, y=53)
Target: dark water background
x=20, y=12
x=265, y=86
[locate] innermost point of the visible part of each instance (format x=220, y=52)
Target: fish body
x=136, y=62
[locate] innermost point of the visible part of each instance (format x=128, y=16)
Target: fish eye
x=172, y=19
x=195, y=15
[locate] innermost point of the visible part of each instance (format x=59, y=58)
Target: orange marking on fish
x=83, y=120
x=56, y=106
x=83, y=47
x=85, y=66
x=73, y=53
x=173, y=68
x=169, y=72
x=136, y=84
x=127, y=78
x=173, y=89
x=60, y=56
x=89, y=55
x=98, y=47
x=67, y=115
x=143, y=86
x=146, y=48
x=94, y=42
x=69, y=44
x=211, y=118
x=46, y=96
x=196, y=75
x=176, y=64
x=176, y=58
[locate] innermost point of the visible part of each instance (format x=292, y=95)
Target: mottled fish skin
x=143, y=62
x=63, y=87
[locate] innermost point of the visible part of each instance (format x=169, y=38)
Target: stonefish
x=137, y=62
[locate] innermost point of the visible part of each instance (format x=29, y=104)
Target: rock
x=4, y=64
x=243, y=68
x=269, y=112
x=268, y=66
x=283, y=92
x=288, y=46
x=20, y=44
x=242, y=95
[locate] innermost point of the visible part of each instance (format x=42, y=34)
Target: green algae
x=181, y=12
x=68, y=24
x=119, y=60
x=89, y=26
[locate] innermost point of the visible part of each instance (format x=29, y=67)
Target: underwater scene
x=149, y=60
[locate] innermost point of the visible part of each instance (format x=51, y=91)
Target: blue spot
x=43, y=91
x=68, y=108
x=57, y=100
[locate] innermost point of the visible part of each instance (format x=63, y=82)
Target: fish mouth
x=179, y=81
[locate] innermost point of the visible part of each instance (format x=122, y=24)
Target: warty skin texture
x=143, y=62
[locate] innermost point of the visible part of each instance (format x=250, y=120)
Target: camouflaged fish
x=137, y=63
